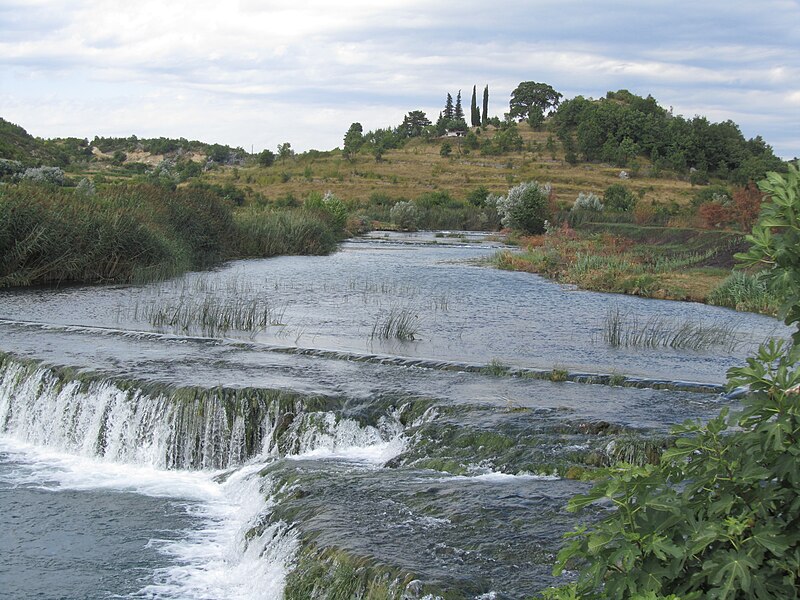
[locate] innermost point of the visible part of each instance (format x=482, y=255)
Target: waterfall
x=183, y=428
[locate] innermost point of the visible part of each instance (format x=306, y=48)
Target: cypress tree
x=485, y=116
x=475, y=116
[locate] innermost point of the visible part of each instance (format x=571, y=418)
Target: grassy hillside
x=418, y=168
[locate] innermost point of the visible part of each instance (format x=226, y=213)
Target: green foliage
x=478, y=196
x=126, y=233
x=775, y=242
x=414, y=123
x=526, y=207
x=266, y=158
x=329, y=207
x=718, y=517
x=285, y=151
x=619, y=198
x=742, y=291
x=622, y=126
x=18, y=145
x=506, y=139
x=475, y=113
x=445, y=150
x=353, y=140
x=530, y=97
x=485, y=107
x=262, y=233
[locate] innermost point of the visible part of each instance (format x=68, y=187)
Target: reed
x=136, y=233
x=210, y=316
x=623, y=329
x=398, y=324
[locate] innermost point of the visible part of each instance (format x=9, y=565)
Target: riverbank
x=668, y=263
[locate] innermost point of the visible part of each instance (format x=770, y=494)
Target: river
x=383, y=417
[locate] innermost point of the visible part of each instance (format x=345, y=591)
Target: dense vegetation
x=623, y=127
x=128, y=233
x=719, y=515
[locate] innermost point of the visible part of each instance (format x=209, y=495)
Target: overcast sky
x=255, y=73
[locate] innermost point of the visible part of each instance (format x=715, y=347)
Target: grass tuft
x=626, y=330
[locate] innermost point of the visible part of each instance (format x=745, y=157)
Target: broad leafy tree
x=266, y=157
x=532, y=97
x=353, y=140
x=285, y=151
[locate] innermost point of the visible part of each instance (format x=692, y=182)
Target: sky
x=257, y=73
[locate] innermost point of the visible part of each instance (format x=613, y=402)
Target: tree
x=449, y=113
x=530, y=96
x=285, y=151
x=353, y=140
x=619, y=198
x=458, y=113
x=266, y=157
x=475, y=115
x=718, y=516
x=414, y=123
x=485, y=114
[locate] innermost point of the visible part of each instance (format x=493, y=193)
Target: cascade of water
x=184, y=429
x=117, y=436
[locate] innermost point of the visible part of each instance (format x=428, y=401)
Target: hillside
x=17, y=144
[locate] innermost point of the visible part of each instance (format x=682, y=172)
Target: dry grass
x=418, y=168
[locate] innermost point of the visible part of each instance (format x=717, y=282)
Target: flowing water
x=382, y=420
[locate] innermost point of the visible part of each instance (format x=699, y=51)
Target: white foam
x=212, y=562
x=496, y=477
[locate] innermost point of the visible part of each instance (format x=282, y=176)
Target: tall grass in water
x=399, y=324
x=131, y=233
x=746, y=292
x=626, y=330
x=210, y=316
x=270, y=233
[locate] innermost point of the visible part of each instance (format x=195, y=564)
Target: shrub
x=746, y=206
x=588, y=201
x=47, y=175
x=10, y=168
x=526, y=207
x=405, y=215
x=619, y=198
x=331, y=208
x=715, y=214
x=717, y=517
x=445, y=150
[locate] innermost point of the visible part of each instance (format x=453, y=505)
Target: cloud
x=372, y=62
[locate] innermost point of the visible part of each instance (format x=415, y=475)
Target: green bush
x=719, y=515
x=619, y=198
x=743, y=291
